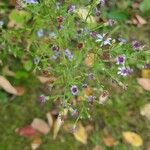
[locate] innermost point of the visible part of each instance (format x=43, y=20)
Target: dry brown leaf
x=50, y=119
x=45, y=80
x=145, y=111
x=40, y=126
x=89, y=60
x=6, y=71
x=140, y=20
x=132, y=138
x=36, y=143
x=59, y=122
x=80, y=133
x=5, y=84
x=110, y=141
x=89, y=128
x=144, y=83
x=146, y=73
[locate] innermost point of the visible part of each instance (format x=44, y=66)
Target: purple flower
x=31, y=1
x=55, y=48
x=68, y=54
x=42, y=99
x=71, y=8
x=74, y=113
x=74, y=90
x=102, y=2
x=120, y=60
x=147, y=66
x=136, y=45
x=124, y=71
x=40, y=33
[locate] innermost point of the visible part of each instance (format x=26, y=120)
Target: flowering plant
x=66, y=41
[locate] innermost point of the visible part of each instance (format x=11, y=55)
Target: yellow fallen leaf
x=59, y=122
x=144, y=83
x=5, y=84
x=146, y=73
x=36, y=143
x=132, y=138
x=83, y=13
x=89, y=60
x=80, y=133
x=145, y=111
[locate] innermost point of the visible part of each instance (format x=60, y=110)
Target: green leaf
x=118, y=15
x=145, y=6
x=28, y=65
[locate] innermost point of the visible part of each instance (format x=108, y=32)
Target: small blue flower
x=31, y=1
x=74, y=90
x=40, y=33
x=68, y=54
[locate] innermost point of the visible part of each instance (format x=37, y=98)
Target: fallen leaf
x=145, y=111
x=45, y=80
x=5, y=84
x=27, y=131
x=144, y=83
x=40, y=125
x=140, y=20
x=50, y=119
x=59, y=123
x=89, y=60
x=36, y=143
x=132, y=138
x=146, y=73
x=80, y=133
x=110, y=141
